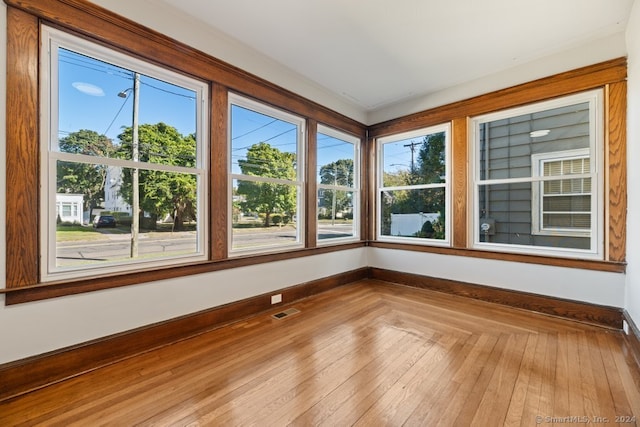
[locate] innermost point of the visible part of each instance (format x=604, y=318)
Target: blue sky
x=250, y=127
x=88, y=99
x=397, y=154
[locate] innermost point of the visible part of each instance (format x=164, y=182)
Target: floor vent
x=285, y=313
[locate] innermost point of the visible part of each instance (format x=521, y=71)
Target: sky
x=88, y=99
x=250, y=127
x=397, y=157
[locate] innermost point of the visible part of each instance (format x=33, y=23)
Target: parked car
x=104, y=221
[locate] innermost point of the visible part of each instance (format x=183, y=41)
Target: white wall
x=570, y=283
x=633, y=155
x=596, y=51
x=182, y=27
x=34, y=328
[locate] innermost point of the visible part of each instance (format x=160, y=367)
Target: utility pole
x=412, y=146
x=333, y=202
x=135, y=207
x=135, y=156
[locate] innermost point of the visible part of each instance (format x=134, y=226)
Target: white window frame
x=355, y=190
x=299, y=183
x=51, y=40
x=537, y=193
x=596, y=155
x=446, y=128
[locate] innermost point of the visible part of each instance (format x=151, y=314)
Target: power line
x=269, y=139
x=412, y=146
x=94, y=69
x=167, y=91
x=256, y=129
x=116, y=116
x=114, y=70
x=280, y=134
x=77, y=59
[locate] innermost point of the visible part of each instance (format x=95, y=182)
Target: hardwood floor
x=364, y=354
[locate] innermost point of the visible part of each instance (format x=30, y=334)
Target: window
x=413, y=186
x=122, y=139
x=69, y=208
x=266, y=177
x=338, y=174
x=562, y=207
x=537, y=179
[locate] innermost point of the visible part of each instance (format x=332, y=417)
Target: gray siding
x=506, y=148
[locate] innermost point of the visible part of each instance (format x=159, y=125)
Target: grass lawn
x=76, y=233
x=337, y=221
x=72, y=233
x=260, y=228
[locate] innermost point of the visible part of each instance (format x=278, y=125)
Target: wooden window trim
x=219, y=241
x=23, y=150
x=311, y=207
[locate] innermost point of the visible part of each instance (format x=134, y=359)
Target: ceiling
x=375, y=53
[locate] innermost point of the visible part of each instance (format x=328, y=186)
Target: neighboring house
x=113, y=201
x=69, y=207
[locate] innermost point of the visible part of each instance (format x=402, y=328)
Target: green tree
x=339, y=172
x=431, y=159
x=264, y=197
x=161, y=192
x=84, y=178
x=396, y=201
x=429, y=169
x=402, y=201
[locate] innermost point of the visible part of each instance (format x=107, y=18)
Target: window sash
x=446, y=185
x=572, y=184
x=353, y=189
x=297, y=182
x=538, y=180
x=52, y=41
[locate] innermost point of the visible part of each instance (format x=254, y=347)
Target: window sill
x=584, y=264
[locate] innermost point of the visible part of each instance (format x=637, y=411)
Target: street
x=116, y=247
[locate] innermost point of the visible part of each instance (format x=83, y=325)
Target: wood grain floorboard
x=366, y=354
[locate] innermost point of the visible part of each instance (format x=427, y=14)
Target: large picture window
x=537, y=178
x=266, y=148
x=338, y=171
x=413, y=186
x=123, y=162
